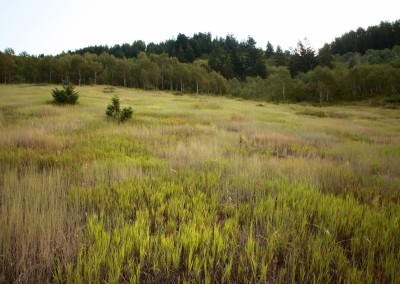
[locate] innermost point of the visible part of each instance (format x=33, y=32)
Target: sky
x=54, y=26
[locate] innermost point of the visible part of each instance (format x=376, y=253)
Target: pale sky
x=53, y=26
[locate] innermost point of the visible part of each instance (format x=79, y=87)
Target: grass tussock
x=196, y=189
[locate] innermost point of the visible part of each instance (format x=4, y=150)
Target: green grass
x=196, y=189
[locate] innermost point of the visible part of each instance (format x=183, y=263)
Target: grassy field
x=196, y=189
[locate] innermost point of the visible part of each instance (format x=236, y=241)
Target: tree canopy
x=382, y=36
x=202, y=64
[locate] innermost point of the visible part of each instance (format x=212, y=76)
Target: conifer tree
x=65, y=96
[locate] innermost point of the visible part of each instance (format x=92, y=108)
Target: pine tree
x=114, y=110
x=269, y=51
x=65, y=96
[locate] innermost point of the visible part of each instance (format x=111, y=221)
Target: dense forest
x=359, y=64
x=386, y=35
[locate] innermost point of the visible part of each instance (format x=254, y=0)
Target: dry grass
x=27, y=137
x=196, y=189
x=37, y=227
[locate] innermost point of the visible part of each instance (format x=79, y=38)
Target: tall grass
x=36, y=225
x=196, y=189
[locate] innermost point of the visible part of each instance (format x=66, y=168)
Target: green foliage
x=114, y=108
x=325, y=57
x=197, y=195
x=133, y=232
x=108, y=90
x=384, y=35
x=303, y=59
x=393, y=100
x=168, y=66
x=269, y=50
x=126, y=114
x=65, y=96
x=114, y=111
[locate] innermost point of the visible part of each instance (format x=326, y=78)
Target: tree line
x=147, y=71
x=227, y=56
x=382, y=36
x=386, y=35
x=218, y=66
x=348, y=77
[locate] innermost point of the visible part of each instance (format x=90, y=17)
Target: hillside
x=196, y=189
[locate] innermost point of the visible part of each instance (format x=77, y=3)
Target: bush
x=114, y=108
x=65, y=96
x=108, y=90
x=126, y=114
x=393, y=100
x=317, y=113
x=114, y=111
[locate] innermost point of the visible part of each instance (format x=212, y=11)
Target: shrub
x=317, y=113
x=108, y=90
x=393, y=100
x=126, y=114
x=114, y=111
x=114, y=108
x=65, y=96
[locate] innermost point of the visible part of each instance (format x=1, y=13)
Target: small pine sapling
x=114, y=110
x=65, y=96
x=126, y=114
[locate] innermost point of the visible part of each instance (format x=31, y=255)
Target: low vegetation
x=196, y=189
x=65, y=96
x=114, y=110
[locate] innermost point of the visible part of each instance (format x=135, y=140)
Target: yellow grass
x=196, y=189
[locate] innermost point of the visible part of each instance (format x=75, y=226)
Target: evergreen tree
x=114, y=108
x=303, y=59
x=269, y=51
x=279, y=57
x=65, y=96
x=201, y=44
x=254, y=64
x=325, y=57
x=220, y=61
x=184, y=49
x=114, y=111
x=384, y=35
x=7, y=64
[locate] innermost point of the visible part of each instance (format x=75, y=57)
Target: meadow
x=196, y=189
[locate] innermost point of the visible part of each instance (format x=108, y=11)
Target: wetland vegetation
x=196, y=189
